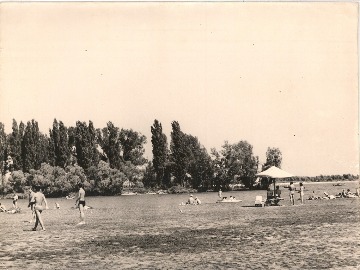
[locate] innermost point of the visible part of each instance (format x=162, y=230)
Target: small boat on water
x=229, y=201
x=129, y=193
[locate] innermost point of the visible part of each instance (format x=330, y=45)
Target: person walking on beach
x=31, y=205
x=80, y=202
x=292, y=192
x=301, y=191
x=39, y=199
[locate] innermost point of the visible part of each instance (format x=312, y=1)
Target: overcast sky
x=275, y=74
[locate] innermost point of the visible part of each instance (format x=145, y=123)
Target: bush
x=179, y=189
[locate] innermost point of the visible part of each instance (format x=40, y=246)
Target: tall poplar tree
x=179, y=153
x=14, y=146
x=3, y=145
x=28, y=149
x=38, y=156
x=200, y=165
x=95, y=155
x=63, y=150
x=159, y=150
x=83, y=145
x=109, y=142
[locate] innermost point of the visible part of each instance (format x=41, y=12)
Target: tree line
x=106, y=159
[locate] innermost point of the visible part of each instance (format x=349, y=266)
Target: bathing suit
x=82, y=202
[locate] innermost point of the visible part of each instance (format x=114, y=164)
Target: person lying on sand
x=2, y=208
x=13, y=211
x=327, y=196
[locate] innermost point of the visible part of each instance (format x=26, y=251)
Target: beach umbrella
x=275, y=172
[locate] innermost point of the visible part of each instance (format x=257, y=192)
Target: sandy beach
x=154, y=232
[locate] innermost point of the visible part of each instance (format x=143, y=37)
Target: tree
x=43, y=149
x=38, y=156
x=200, y=167
x=17, y=181
x=150, y=176
x=3, y=146
x=273, y=158
x=235, y=161
x=159, y=150
x=106, y=180
x=28, y=149
x=95, y=155
x=179, y=153
x=132, y=145
x=109, y=142
x=14, y=146
x=60, y=143
x=85, y=145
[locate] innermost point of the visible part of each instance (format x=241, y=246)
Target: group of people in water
x=38, y=203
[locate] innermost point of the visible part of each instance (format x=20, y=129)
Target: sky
x=279, y=75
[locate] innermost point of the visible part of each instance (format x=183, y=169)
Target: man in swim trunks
x=80, y=202
x=39, y=199
x=31, y=205
x=292, y=192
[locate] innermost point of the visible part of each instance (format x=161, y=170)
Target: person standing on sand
x=292, y=192
x=301, y=191
x=38, y=199
x=220, y=193
x=80, y=202
x=15, y=199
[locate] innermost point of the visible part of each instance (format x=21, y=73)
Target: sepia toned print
x=205, y=135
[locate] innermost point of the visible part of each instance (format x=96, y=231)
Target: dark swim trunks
x=82, y=202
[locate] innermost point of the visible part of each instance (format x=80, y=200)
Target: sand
x=150, y=232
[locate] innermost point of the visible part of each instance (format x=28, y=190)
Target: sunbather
x=2, y=208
